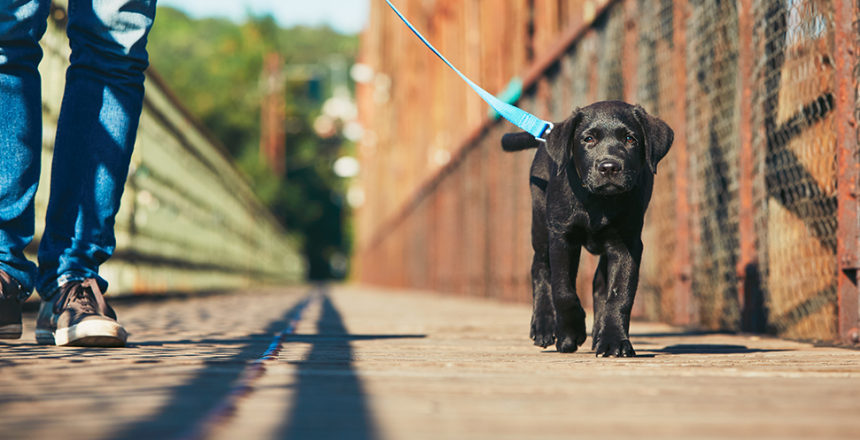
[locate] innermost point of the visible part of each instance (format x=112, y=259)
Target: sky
x=345, y=16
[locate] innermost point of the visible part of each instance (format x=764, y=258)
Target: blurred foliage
x=214, y=66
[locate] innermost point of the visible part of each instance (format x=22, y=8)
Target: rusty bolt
x=854, y=335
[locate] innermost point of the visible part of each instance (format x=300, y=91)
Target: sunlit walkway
x=371, y=364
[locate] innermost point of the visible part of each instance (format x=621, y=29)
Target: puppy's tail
x=519, y=141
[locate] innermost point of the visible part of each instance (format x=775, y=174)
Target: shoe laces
x=9, y=288
x=86, y=294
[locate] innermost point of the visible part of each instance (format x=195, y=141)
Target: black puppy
x=590, y=185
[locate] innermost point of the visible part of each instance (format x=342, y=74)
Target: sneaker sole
x=91, y=334
x=45, y=337
x=12, y=331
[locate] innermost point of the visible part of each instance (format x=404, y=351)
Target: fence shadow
x=329, y=400
x=191, y=401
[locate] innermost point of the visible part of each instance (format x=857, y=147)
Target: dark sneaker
x=79, y=316
x=10, y=308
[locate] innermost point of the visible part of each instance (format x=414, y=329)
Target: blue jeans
x=95, y=135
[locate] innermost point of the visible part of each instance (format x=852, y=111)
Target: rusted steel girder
x=747, y=261
x=683, y=264
x=848, y=169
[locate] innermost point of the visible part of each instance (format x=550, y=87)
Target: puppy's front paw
x=614, y=347
x=570, y=331
x=542, y=329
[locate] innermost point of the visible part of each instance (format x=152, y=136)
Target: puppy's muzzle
x=610, y=177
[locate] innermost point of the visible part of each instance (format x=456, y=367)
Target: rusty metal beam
x=630, y=59
x=848, y=169
x=683, y=265
x=746, y=167
x=630, y=75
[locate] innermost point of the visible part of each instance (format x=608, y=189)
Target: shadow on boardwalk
x=191, y=402
x=329, y=401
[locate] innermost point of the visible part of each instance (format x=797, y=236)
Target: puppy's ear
x=658, y=137
x=558, y=143
x=519, y=141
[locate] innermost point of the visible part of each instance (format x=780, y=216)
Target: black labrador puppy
x=590, y=184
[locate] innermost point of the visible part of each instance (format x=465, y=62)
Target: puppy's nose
x=609, y=167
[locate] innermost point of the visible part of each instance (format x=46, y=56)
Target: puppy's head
x=610, y=144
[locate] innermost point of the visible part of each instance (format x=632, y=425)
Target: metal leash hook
x=545, y=135
x=535, y=126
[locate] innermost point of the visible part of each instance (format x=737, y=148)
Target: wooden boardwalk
x=365, y=363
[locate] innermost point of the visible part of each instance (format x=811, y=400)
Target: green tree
x=214, y=66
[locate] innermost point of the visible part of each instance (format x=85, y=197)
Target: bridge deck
x=371, y=364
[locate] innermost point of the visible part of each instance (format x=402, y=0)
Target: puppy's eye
x=630, y=140
x=588, y=139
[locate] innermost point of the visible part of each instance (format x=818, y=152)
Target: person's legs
x=95, y=138
x=22, y=24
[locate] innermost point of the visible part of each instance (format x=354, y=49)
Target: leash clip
x=546, y=133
